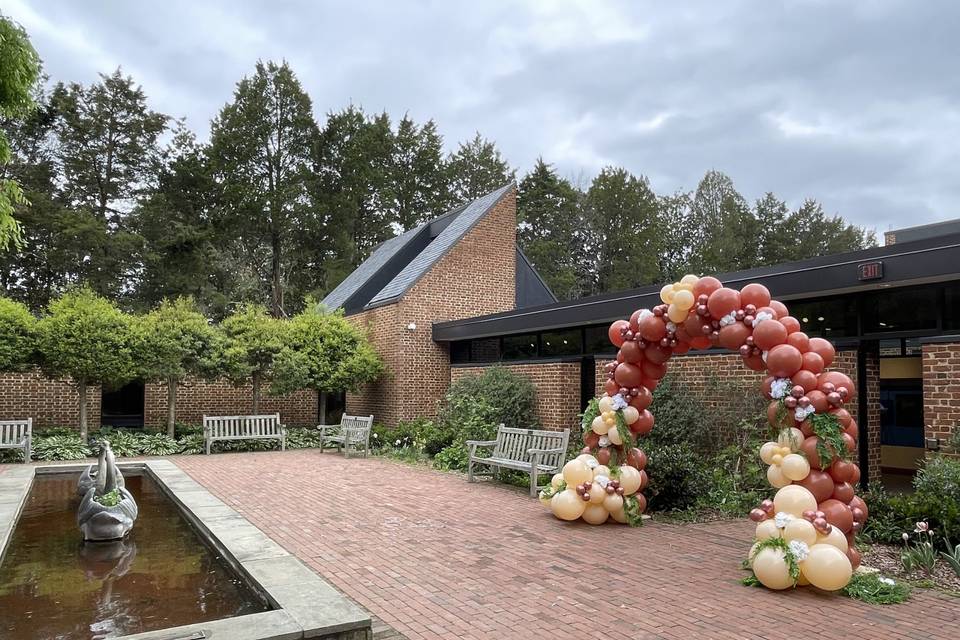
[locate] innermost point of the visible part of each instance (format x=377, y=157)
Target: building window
x=891, y=348
x=560, y=343
x=597, y=341
x=951, y=307
x=460, y=351
x=903, y=309
x=829, y=318
x=485, y=350
x=521, y=347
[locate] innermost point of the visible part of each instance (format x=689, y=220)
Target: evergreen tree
x=773, y=243
x=811, y=233
x=674, y=218
x=419, y=180
x=723, y=229
x=261, y=147
x=548, y=208
x=477, y=168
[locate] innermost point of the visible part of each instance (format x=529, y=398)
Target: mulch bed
x=886, y=559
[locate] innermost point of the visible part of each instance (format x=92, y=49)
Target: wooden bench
x=227, y=428
x=17, y=434
x=529, y=450
x=351, y=433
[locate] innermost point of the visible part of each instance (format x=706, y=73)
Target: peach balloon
x=767, y=451
x=629, y=480
x=770, y=568
x=795, y=467
x=683, y=299
x=776, y=478
x=556, y=480
x=619, y=516
x=613, y=503
x=605, y=403
x=597, y=494
x=794, y=500
x=601, y=470
x=766, y=529
x=835, y=539
x=577, y=472
x=791, y=437
x=614, y=436
x=826, y=567
x=802, y=530
x=567, y=505
x=595, y=514
x=599, y=426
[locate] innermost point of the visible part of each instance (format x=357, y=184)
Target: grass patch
x=870, y=588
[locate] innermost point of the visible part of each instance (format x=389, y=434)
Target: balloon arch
x=805, y=534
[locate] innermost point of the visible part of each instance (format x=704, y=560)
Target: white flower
x=671, y=326
x=921, y=527
x=799, y=549
x=779, y=387
x=602, y=480
x=728, y=319
x=604, y=441
x=887, y=581
x=397, y=443
x=801, y=413
x=760, y=317
x=618, y=402
x=905, y=536
x=592, y=463
x=644, y=313
x=781, y=519
x=377, y=436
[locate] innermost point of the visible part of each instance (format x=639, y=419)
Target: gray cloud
x=854, y=104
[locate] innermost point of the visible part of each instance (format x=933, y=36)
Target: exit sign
x=870, y=270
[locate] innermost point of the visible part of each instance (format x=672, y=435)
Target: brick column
x=872, y=413
x=941, y=389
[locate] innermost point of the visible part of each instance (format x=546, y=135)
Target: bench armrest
x=473, y=444
x=328, y=429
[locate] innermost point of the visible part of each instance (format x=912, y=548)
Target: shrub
x=936, y=496
x=157, y=444
x=452, y=458
x=192, y=444
x=61, y=447
x=678, y=477
x=509, y=397
x=124, y=444
x=679, y=417
x=303, y=438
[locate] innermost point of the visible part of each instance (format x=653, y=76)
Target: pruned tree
x=253, y=338
x=86, y=338
x=18, y=336
x=173, y=342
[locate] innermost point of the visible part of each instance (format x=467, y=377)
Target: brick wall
x=49, y=402
x=476, y=277
x=941, y=390
x=558, y=390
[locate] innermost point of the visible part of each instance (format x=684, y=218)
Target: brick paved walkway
x=436, y=557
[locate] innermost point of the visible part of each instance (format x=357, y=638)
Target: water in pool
x=53, y=586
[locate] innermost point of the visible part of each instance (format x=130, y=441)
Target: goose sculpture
x=107, y=510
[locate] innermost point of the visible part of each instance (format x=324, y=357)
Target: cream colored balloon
x=683, y=299
x=766, y=529
x=791, y=438
x=595, y=514
x=556, y=480
x=601, y=470
x=666, y=293
x=770, y=568
x=630, y=480
x=614, y=435
x=753, y=550
x=794, y=499
x=605, y=404
x=567, y=505
x=682, y=286
x=676, y=314
x=576, y=472
x=802, y=580
x=613, y=503
x=600, y=426
x=776, y=478
x=589, y=460
x=802, y=530
x=597, y=494
x=795, y=467
x=630, y=414
x=690, y=279
x=767, y=451
x=835, y=539
x=827, y=567
x=619, y=516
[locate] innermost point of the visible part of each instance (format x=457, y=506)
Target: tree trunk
x=255, y=381
x=322, y=409
x=171, y=407
x=82, y=391
x=276, y=281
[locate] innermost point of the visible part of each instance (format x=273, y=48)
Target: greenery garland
x=827, y=428
x=781, y=415
x=551, y=491
x=590, y=414
x=624, y=431
x=631, y=508
x=779, y=543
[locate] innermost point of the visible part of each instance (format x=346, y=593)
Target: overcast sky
x=852, y=103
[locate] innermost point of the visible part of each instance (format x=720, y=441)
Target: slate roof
x=403, y=260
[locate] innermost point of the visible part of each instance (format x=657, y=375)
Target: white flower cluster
x=602, y=480
x=671, y=326
x=781, y=519
x=604, y=441
x=799, y=549
x=644, y=314
x=760, y=317
x=728, y=319
x=618, y=402
x=779, y=388
x=801, y=413
x=887, y=581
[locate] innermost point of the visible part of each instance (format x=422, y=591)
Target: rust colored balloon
x=806, y=428
x=591, y=439
x=758, y=515
x=809, y=449
x=858, y=503
x=770, y=311
x=843, y=416
x=819, y=483
x=766, y=387
x=635, y=321
x=837, y=379
x=783, y=360
x=812, y=362
x=799, y=340
x=755, y=294
x=653, y=370
x=843, y=492
x=723, y=301
x=628, y=375
x=852, y=430
x=792, y=325
x=682, y=347
x=603, y=456
x=652, y=328
x=615, y=332
x=700, y=343
x=631, y=352
x=769, y=334
x=641, y=502
x=855, y=476
x=706, y=286
x=854, y=556
x=611, y=387
x=644, y=480
x=842, y=471
x=778, y=418
x=619, y=357
x=657, y=354
x=837, y=514
x=643, y=425
x=819, y=400
x=755, y=363
x=806, y=379
x=637, y=458
x=642, y=400
x=651, y=383
x=733, y=335
x=849, y=441
x=780, y=308
x=824, y=348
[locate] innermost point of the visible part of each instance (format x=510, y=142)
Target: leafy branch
x=793, y=565
x=631, y=508
x=827, y=428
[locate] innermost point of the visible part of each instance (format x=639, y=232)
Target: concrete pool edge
x=306, y=606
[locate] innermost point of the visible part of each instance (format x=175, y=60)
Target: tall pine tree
x=476, y=168
x=419, y=180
